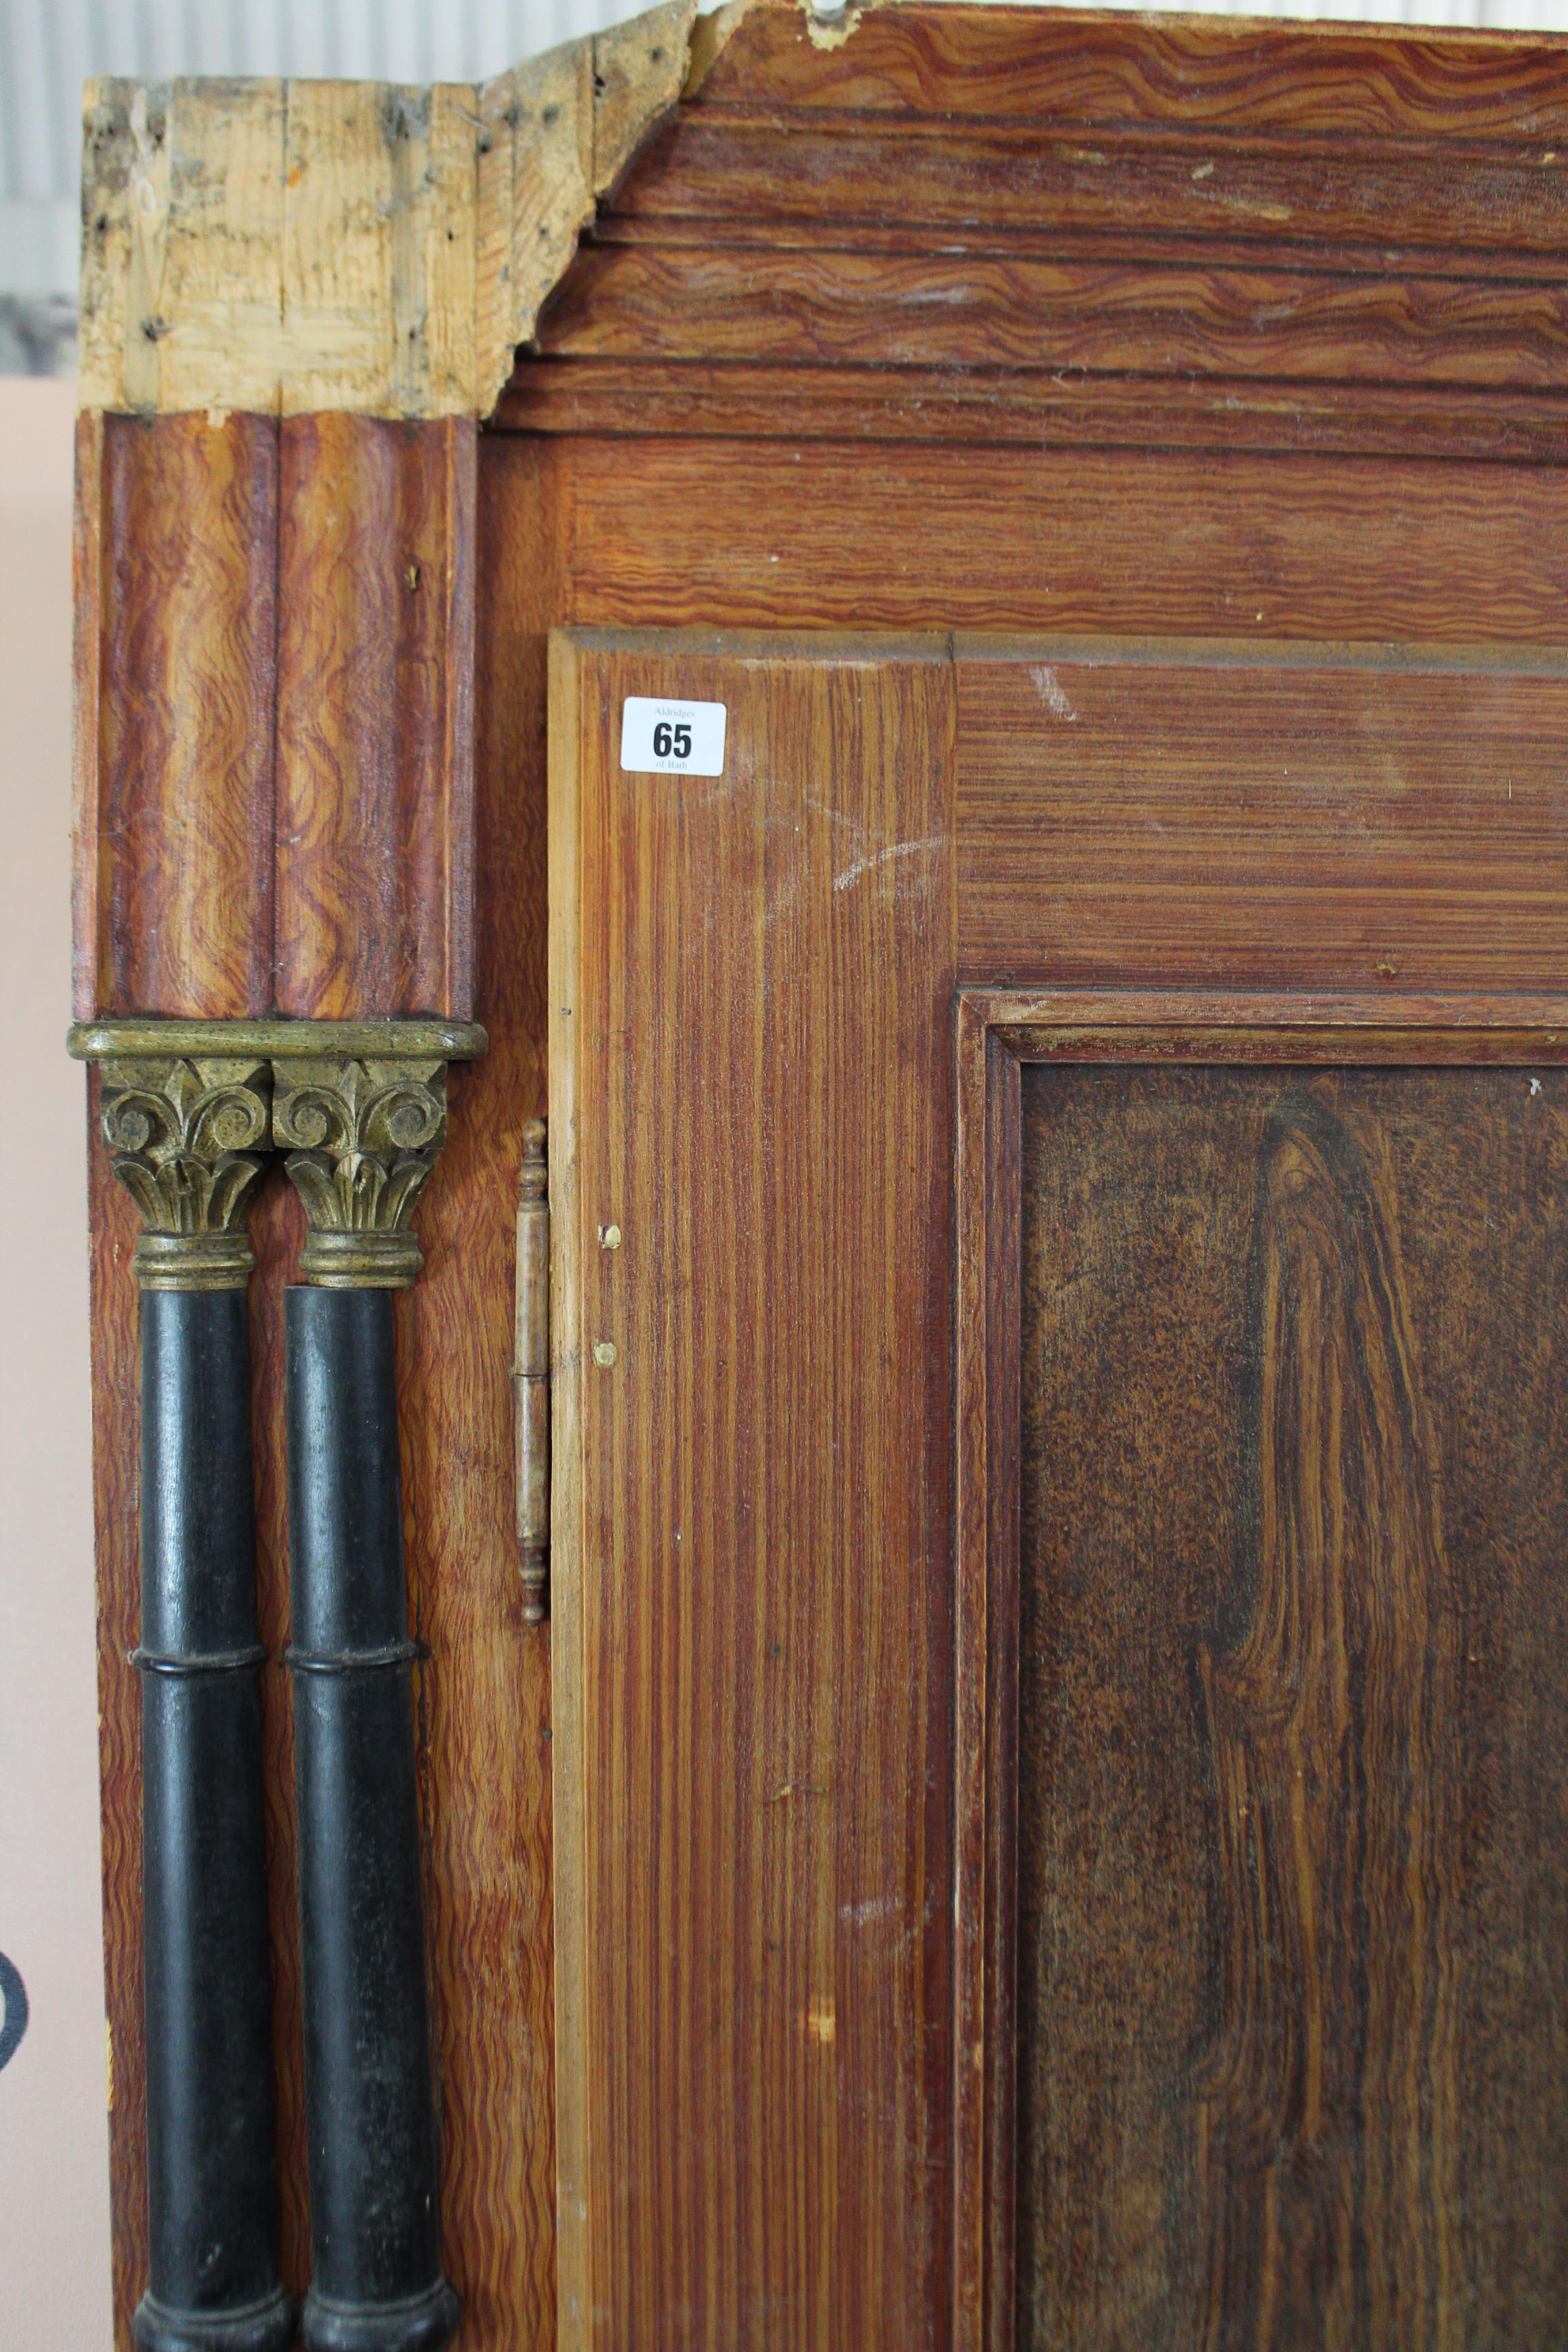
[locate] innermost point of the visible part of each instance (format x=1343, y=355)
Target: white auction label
x=672, y=738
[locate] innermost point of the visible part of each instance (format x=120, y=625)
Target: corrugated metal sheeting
x=49, y=47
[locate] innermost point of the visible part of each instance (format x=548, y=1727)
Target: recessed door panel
x=1292, y=1733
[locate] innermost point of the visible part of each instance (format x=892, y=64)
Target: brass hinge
x=530, y=1373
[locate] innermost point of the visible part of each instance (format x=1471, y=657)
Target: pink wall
x=54, y=2160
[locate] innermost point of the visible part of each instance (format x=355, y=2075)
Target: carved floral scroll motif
x=362, y=1138
x=183, y=1138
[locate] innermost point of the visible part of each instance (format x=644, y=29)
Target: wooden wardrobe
x=1024, y=1803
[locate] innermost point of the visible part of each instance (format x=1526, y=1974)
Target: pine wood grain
x=758, y=1388
x=368, y=248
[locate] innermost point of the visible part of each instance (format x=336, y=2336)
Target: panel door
x=1061, y=1755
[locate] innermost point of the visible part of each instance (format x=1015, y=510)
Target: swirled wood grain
x=1085, y=67
x=484, y=1699
x=1330, y=2090
x=1293, y=1741
x=374, y=837
x=983, y=186
x=1085, y=228
x=175, y=629
x=1127, y=316
x=1011, y=408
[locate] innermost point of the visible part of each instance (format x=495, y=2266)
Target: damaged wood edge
x=828, y=27
x=286, y=247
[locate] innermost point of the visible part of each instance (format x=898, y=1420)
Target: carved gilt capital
x=359, y=1107
x=363, y=1137
x=183, y=1134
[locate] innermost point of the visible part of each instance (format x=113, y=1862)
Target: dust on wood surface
x=288, y=247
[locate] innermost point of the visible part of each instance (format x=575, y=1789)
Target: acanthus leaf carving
x=183, y=1134
x=363, y=1137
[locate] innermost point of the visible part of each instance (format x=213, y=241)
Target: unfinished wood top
x=292, y=246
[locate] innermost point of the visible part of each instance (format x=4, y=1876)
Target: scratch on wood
x=1052, y=692
x=875, y=857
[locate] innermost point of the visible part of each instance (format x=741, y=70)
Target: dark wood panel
x=176, y=552
x=751, y=987
x=1082, y=67
x=375, y=718
x=928, y=309
x=747, y=534
x=1294, y=1741
x=1182, y=817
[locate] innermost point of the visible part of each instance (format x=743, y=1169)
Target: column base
x=264, y=2326
x=425, y=2324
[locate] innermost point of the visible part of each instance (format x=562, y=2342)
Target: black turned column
x=374, y=2206
x=176, y=1130
x=212, y=2179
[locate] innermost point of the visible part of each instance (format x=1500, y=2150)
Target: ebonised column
x=368, y=1133
x=182, y=1134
